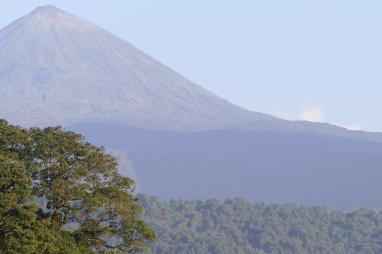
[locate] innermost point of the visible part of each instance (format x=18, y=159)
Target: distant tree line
x=240, y=227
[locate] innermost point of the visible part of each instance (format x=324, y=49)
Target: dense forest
x=238, y=226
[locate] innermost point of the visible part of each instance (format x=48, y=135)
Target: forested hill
x=238, y=226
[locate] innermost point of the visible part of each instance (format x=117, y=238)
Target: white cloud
x=312, y=113
x=315, y=113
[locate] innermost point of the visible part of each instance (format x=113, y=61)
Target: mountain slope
x=56, y=68
x=59, y=69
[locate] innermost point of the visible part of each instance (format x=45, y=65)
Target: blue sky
x=315, y=60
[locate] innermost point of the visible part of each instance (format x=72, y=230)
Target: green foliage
x=238, y=226
x=60, y=194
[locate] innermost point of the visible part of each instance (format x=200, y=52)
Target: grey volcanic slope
x=57, y=69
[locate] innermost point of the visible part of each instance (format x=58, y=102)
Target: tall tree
x=68, y=189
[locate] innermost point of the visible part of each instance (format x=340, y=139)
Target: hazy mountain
x=182, y=140
x=56, y=68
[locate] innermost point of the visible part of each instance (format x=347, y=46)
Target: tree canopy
x=60, y=194
x=239, y=226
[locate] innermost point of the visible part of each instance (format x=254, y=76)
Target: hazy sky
x=318, y=60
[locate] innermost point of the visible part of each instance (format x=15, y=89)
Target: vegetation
x=60, y=194
x=237, y=226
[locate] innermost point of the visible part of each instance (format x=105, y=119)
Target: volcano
x=183, y=140
x=59, y=69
